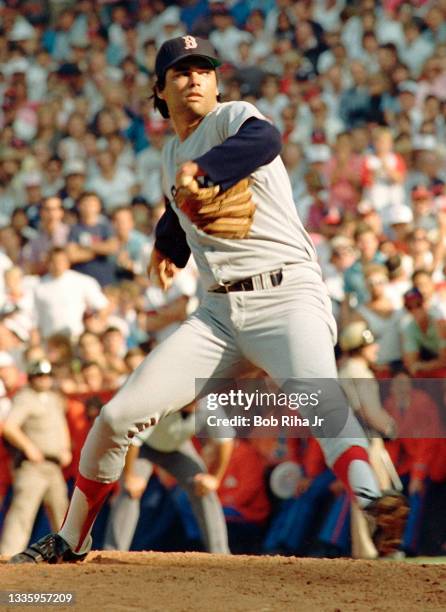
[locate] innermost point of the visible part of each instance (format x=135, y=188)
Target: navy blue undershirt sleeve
x=170, y=238
x=256, y=143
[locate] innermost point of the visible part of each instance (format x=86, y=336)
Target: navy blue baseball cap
x=176, y=49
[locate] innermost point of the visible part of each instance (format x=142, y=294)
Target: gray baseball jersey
x=277, y=236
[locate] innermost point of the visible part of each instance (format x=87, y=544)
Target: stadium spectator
x=383, y=174
x=33, y=197
x=422, y=204
x=53, y=232
x=115, y=185
x=134, y=247
x=342, y=173
x=74, y=172
x=93, y=378
x=354, y=104
x=413, y=453
x=148, y=165
x=91, y=241
x=342, y=256
x=63, y=296
x=115, y=349
x=165, y=309
x=244, y=498
x=358, y=381
x=366, y=243
x=382, y=318
x=37, y=428
x=423, y=337
x=11, y=377
x=423, y=281
x=91, y=349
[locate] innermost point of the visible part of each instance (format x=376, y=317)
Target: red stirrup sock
x=353, y=469
x=88, y=498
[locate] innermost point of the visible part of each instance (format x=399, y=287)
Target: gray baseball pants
x=288, y=331
x=183, y=465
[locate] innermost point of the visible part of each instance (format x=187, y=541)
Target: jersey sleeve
x=170, y=238
x=256, y=143
x=233, y=115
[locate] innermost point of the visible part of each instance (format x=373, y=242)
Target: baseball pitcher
x=229, y=202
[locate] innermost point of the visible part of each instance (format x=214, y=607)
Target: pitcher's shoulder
x=238, y=106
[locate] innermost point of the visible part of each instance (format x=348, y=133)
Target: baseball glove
x=387, y=518
x=227, y=214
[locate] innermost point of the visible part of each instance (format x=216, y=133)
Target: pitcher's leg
x=298, y=351
x=163, y=383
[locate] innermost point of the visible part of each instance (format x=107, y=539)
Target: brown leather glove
x=387, y=517
x=227, y=214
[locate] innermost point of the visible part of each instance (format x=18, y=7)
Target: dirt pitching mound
x=195, y=582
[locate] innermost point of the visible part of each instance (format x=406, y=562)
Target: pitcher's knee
x=115, y=419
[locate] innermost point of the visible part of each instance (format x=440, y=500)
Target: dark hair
x=111, y=330
x=90, y=364
x=88, y=194
x=57, y=251
x=368, y=33
x=390, y=47
x=393, y=264
x=397, y=368
x=159, y=104
x=363, y=228
x=136, y=351
x=421, y=272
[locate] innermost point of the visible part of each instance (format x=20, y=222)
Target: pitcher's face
x=190, y=88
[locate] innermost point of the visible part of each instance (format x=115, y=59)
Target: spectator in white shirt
x=226, y=37
x=383, y=174
x=165, y=310
x=292, y=157
x=417, y=49
x=327, y=13
x=272, y=102
x=148, y=165
x=63, y=296
x=19, y=296
x=114, y=185
x=5, y=264
x=71, y=146
x=52, y=232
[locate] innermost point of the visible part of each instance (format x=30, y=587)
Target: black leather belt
x=267, y=280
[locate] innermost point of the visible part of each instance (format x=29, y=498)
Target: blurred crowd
x=358, y=92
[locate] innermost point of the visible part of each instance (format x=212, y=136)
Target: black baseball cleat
x=50, y=549
x=387, y=516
